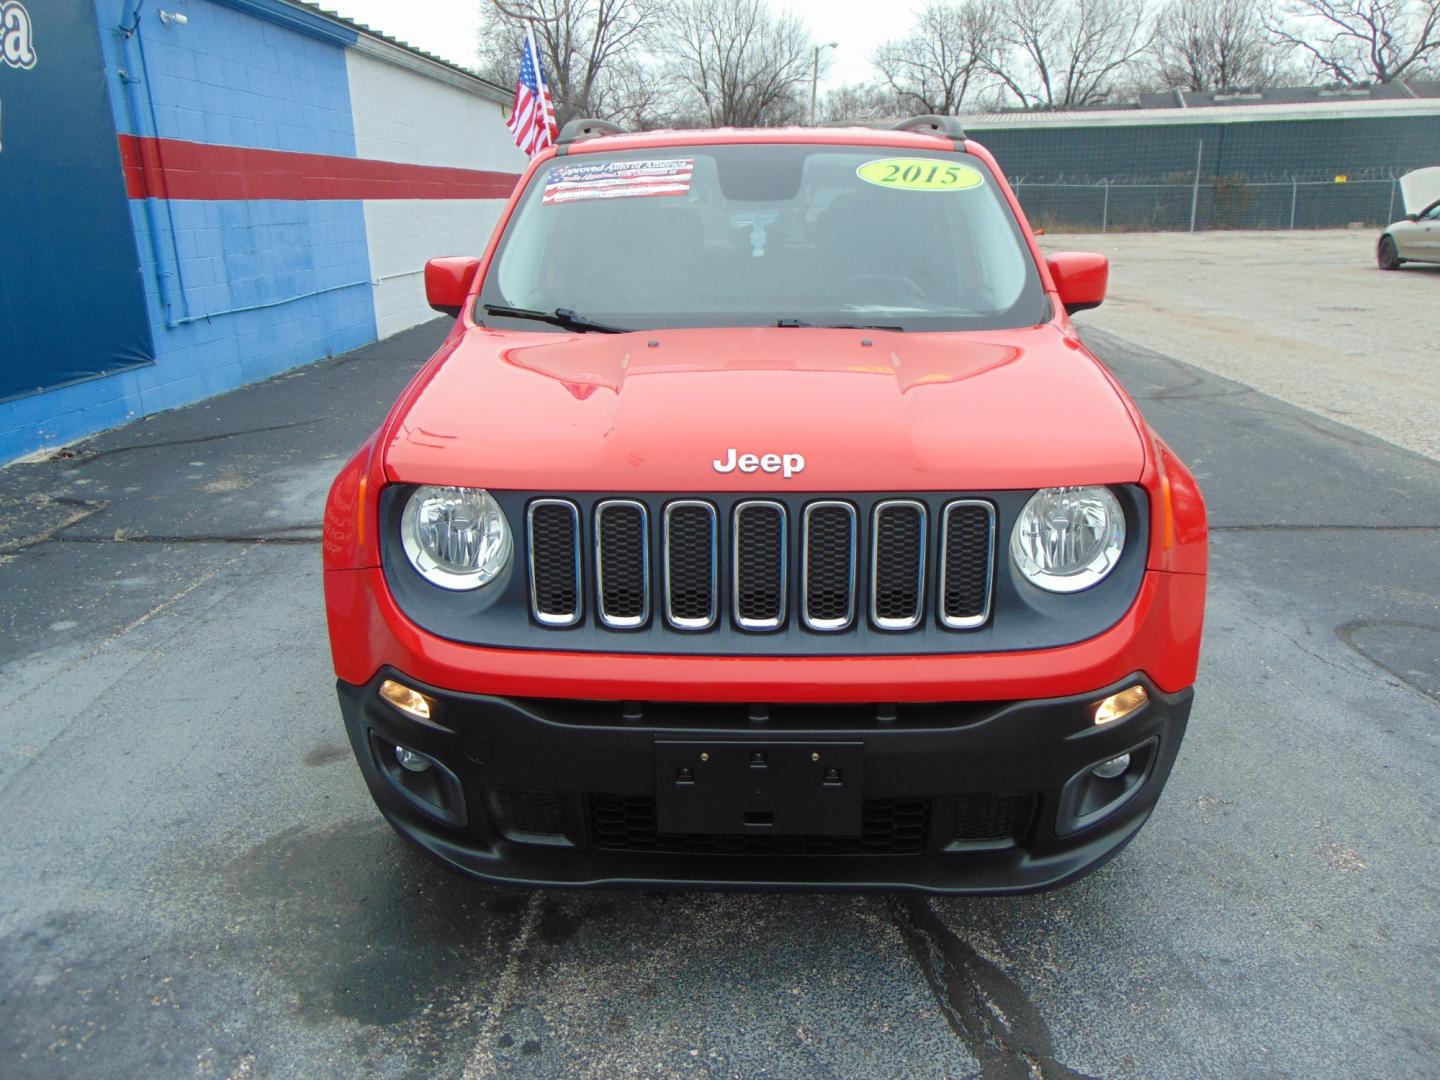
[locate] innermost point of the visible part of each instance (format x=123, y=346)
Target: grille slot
x=828, y=566
x=691, y=565
x=897, y=565
x=622, y=563
x=887, y=827
x=554, y=562
x=967, y=563
x=760, y=557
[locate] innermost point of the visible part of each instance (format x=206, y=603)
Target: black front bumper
x=989, y=797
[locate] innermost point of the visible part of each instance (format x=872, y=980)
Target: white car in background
x=1415, y=238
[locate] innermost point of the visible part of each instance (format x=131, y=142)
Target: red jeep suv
x=763, y=521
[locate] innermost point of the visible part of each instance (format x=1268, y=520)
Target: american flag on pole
x=532, y=121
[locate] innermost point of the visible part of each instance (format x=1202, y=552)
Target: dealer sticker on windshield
x=618, y=180
x=919, y=174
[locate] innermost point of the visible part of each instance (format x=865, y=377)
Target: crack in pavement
x=78, y=510
x=482, y=1055
x=221, y=538
x=1350, y=632
x=76, y=459
x=987, y=1009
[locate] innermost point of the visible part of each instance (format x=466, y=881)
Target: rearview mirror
x=447, y=282
x=1080, y=277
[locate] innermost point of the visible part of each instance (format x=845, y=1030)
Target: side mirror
x=1080, y=277
x=447, y=282
x=1412, y=217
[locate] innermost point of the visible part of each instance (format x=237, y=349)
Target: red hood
x=601, y=412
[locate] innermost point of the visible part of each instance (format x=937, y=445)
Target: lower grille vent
x=992, y=820
x=531, y=812
x=888, y=827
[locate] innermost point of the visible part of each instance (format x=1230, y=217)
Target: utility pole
x=815, y=76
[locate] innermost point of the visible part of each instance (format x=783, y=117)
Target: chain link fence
x=1180, y=203
x=1187, y=173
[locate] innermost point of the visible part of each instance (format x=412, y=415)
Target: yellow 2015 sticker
x=919, y=174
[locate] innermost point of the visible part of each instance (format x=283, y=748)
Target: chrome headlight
x=455, y=537
x=1068, y=538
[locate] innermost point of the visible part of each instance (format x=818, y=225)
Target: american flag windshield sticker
x=618, y=180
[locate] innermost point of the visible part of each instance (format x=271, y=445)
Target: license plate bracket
x=776, y=788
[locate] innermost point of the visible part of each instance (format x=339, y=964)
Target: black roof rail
x=949, y=126
x=587, y=128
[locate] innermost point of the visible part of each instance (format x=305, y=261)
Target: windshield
x=755, y=235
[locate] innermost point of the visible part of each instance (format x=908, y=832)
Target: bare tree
x=932, y=68
x=584, y=45
x=1355, y=41
x=1215, y=45
x=640, y=96
x=735, y=63
x=1061, y=54
x=859, y=103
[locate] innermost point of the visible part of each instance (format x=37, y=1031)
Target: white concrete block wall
x=404, y=116
x=403, y=233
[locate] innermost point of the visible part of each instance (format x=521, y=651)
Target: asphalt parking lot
x=196, y=882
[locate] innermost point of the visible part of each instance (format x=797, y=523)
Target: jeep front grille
x=732, y=562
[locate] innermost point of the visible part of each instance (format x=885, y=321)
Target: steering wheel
x=878, y=289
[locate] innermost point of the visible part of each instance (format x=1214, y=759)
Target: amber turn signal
x=1118, y=706
x=410, y=702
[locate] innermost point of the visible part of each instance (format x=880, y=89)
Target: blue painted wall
x=258, y=286
x=232, y=290
x=228, y=77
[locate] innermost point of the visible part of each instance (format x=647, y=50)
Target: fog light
x=414, y=762
x=1118, y=706
x=1106, y=770
x=410, y=702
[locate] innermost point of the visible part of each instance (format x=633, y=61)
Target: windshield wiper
x=564, y=317
x=793, y=323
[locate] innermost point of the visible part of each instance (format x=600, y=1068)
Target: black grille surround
x=963, y=609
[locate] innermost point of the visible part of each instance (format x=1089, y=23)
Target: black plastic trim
x=981, y=748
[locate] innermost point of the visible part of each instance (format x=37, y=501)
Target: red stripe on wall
x=175, y=169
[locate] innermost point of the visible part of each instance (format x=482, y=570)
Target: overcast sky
x=447, y=27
